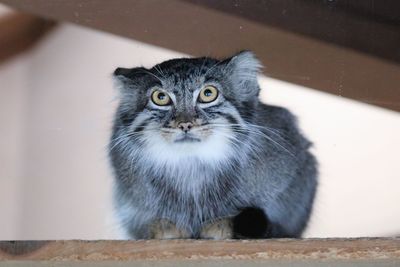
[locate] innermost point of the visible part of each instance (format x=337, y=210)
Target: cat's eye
x=208, y=94
x=160, y=98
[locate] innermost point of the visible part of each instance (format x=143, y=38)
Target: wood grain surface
x=282, y=249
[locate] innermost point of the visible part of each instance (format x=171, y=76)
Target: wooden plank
x=367, y=26
x=286, y=252
x=200, y=30
x=19, y=32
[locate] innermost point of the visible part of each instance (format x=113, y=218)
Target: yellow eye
x=160, y=98
x=208, y=94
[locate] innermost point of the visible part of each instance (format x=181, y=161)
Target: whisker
x=247, y=125
x=117, y=141
x=238, y=145
x=275, y=142
x=159, y=71
x=212, y=67
x=152, y=74
x=246, y=129
x=202, y=66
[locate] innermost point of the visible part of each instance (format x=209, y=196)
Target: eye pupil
x=161, y=96
x=207, y=92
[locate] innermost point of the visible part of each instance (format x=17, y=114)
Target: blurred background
x=335, y=64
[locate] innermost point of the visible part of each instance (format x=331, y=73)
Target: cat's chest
x=194, y=184
x=190, y=180
x=187, y=179
x=193, y=198
x=186, y=191
x=187, y=168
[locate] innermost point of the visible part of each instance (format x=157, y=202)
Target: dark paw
x=250, y=223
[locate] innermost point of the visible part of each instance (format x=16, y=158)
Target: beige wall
x=57, y=183
x=13, y=100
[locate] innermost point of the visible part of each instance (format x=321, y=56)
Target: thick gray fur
x=266, y=164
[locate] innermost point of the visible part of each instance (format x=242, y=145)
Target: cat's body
x=189, y=168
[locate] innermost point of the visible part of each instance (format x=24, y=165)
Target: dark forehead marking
x=183, y=74
x=185, y=67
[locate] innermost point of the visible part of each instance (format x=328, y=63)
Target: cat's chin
x=187, y=139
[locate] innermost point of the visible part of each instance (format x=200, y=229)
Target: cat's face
x=189, y=107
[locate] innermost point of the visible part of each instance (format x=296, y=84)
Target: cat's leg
x=220, y=229
x=165, y=229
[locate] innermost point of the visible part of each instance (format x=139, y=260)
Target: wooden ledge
x=379, y=251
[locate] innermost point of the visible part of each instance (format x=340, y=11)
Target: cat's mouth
x=187, y=138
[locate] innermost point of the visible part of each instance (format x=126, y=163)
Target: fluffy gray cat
x=197, y=155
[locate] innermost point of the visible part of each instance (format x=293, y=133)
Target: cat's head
x=188, y=105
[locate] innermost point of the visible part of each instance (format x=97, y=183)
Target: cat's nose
x=185, y=126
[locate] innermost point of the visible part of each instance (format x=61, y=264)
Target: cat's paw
x=221, y=229
x=165, y=229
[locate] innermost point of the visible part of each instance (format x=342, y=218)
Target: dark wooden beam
x=19, y=32
x=366, y=26
x=206, y=28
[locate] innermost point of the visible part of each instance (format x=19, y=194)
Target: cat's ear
x=245, y=65
x=127, y=79
x=130, y=74
x=243, y=69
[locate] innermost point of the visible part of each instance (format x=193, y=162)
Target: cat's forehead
x=185, y=73
x=185, y=66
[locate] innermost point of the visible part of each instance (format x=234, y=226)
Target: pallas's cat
x=196, y=154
